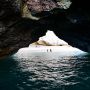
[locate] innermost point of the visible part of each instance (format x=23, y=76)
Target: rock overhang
x=43, y=8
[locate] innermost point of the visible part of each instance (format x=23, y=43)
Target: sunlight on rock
x=65, y=4
x=50, y=43
x=51, y=39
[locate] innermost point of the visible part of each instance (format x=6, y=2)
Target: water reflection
x=53, y=69
x=45, y=71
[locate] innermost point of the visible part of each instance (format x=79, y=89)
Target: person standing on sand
x=50, y=50
x=47, y=50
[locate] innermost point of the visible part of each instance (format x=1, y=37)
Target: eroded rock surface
x=71, y=25
x=47, y=5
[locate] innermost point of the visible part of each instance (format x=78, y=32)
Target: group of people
x=49, y=50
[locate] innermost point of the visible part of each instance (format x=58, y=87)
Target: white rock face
x=51, y=39
x=49, y=43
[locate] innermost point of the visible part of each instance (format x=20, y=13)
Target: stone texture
x=71, y=25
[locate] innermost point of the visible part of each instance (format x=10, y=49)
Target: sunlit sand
x=38, y=48
x=51, y=50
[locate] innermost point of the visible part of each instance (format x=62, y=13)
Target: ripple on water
x=45, y=71
x=51, y=71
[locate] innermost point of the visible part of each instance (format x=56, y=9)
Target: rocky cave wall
x=70, y=24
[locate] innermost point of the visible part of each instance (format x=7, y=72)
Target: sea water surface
x=45, y=71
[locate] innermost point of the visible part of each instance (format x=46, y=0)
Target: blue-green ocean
x=45, y=71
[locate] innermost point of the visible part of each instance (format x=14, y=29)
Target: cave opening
x=50, y=43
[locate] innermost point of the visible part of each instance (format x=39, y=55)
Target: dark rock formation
x=36, y=9
x=38, y=6
x=72, y=25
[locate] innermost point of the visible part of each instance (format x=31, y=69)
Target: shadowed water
x=45, y=71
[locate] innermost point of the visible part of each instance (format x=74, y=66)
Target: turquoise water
x=45, y=71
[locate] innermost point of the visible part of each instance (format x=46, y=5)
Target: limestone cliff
x=50, y=39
